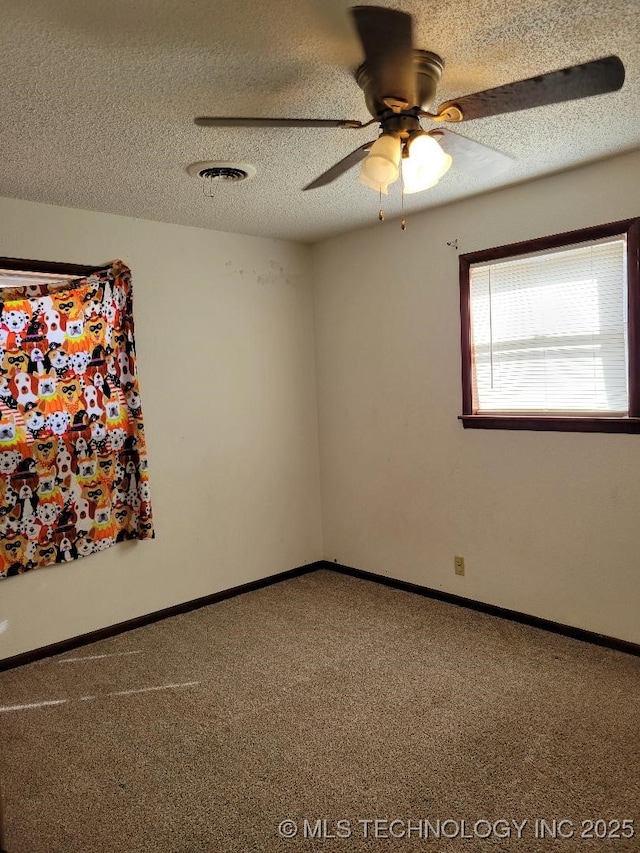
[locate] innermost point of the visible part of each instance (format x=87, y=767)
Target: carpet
x=324, y=713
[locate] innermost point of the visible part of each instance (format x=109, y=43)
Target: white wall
x=232, y=442
x=547, y=522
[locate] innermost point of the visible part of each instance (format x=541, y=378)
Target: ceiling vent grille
x=224, y=173
x=221, y=171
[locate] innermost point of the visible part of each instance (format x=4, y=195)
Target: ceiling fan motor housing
x=428, y=68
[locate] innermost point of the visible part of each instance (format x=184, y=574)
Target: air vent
x=222, y=172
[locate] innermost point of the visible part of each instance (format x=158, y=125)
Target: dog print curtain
x=73, y=464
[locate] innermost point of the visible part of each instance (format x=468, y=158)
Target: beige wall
x=232, y=440
x=547, y=522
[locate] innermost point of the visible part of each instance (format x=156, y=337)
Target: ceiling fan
x=399, y=84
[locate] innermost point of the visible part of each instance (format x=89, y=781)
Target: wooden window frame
x=51, y=267
x=571, y=423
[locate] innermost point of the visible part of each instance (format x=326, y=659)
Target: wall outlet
x=459, y=565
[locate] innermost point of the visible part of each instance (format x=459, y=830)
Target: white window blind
x=18, y=278
x=549, y=332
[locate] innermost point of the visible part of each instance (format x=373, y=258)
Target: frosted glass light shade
x=425, y=165
x=363, y=178
x=381, y=167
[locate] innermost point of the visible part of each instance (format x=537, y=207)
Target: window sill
x=551, y=423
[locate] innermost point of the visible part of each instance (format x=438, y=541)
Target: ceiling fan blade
x=338, y=41
x=387, y=40
x=340, y=167
x=577, y=81
x=471, y=157
x=229, y=121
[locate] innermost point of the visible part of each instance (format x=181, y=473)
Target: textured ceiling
x=98, y=101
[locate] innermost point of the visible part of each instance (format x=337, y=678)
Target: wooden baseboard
x=492, y=610
x=395, y=583
x=149, y=618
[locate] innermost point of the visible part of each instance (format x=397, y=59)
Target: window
x=550, y=332
x=16, y=272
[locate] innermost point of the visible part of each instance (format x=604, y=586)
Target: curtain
x=73, y=464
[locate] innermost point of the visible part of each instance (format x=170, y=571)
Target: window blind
x=13, y=278
x=549, y=332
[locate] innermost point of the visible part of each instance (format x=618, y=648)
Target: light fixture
x=423, y=162
x=381, y=166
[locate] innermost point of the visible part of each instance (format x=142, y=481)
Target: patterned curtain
x=73, y=462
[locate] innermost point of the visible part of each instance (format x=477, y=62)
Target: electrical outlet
x=459, y=565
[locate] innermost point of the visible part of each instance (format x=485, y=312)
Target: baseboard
x=395, y=583
x=149, y=618
x=491, y=609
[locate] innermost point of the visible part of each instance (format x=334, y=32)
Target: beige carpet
x=325, y=698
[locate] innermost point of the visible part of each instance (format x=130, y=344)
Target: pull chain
x=381, y=211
